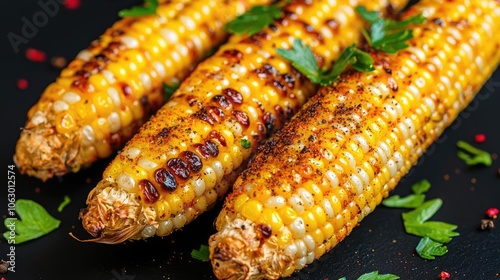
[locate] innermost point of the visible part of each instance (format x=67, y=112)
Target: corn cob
x=100, y=100
x=188, y=155
x=312, y=183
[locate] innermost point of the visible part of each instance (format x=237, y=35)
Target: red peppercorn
x=22, y=84
x=444, y=275
x=480, y=138
x=492, y=213
x=36, y=55
x=72, y=4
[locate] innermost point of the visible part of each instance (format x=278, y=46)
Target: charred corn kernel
x=130, y=62
x=379, y=141
x=195, y=134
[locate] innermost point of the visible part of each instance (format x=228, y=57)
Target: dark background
x=379, y=243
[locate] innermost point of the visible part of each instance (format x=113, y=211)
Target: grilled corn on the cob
x=104, y=95
x=312, y=183
x=188, y=155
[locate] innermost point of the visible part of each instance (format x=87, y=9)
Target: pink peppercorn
x=444, y=275
x=22, y=84
x=36, y=55
x=480, y=138
x=492, y=213
x=72, y=4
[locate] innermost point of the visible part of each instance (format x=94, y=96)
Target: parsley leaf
x=63, y=204
x=409, y=201
x=148, y=9
x=428, y=249
x=387, y=35
x=375, y=276
x=473, y=155
x=34, y=222
x=203, y=254
x=246, y=144
x=412, y=200
x=416, y=223
x=421, y=187
x=303, y=60
x=254, y=20
x=170, y=89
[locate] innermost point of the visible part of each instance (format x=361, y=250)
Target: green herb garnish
x=416, y=223
x=168, y=90
x=148, y=9
x=385, y=34
x=409, y=201
x=203, y=254
x=255, y=19
x=246, y=144
x=428, y=249
x=34, y=221
x=473, y=155
x=412, y=200
x=63, y=204
x=303, y=60
x=375, y=276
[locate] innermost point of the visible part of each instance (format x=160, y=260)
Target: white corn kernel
x=71, y=97
x=199, y=187
x=145, y=80
x=148, y=231
x=169, y=35
x=209, y=178
x=38, y=118
x=165, y=228
x=301, y=248
x=147, y=164
x=130, y=42
x=109, y=76
x=327, y=207
x=332, y=177
x=275, y=202
x=125, y=181
x=160, y=69
x=88, y=136
x=310, y=243
x=179, y=221
x=296, y=203
x=306, y=198
x=115, y=96
x=218, y=168
x=114, y=122
x=60, y=105
x=131, y=153
x=298, y=228
x=84, y=55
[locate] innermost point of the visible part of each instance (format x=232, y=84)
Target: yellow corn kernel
x=99, y=82
x=251, y=209
x=118, y=70
x=271, y=218
x=175, y=202
x=85, y=111
x=239, y=202
x=327, y=230
x=103, y=104
x=187, y=195
x=137, y=110
x=65, y=123
x=126, y=116
x=103, y=149
x=309, y=221
x=201, y=204
x=319, y=215
x=54, y=91
x=314, y=190
x=287, y=214
x=318, y=235
x=284, y=237
x=162, y=210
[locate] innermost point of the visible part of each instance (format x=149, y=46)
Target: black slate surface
x=379, y=243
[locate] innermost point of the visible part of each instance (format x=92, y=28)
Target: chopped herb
x=34, y=222
x=412, y=200
x=148, y=9
x=63, y=204
x=170, y=89
x=303, y=60
x=416, y=223
x=256, y=19
x=428, y=249
x=375, y=276
x=246, y=144
x=409, y=201
x=421, y=187
x=472, y=155
x=202, y=254
x=385, y=34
